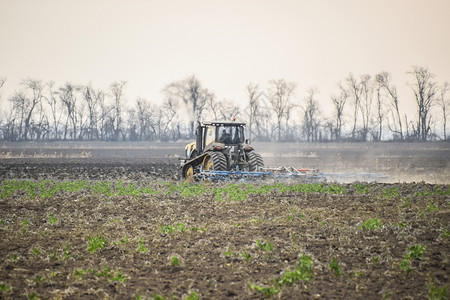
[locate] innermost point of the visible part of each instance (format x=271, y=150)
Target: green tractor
x=220, y=146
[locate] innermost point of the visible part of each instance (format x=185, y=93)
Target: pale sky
x=226, y=44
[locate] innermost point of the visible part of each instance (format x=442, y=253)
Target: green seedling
x=175, y=261
x=127, y=190
x=96, y=243
x=414, y=252
x=295, y=215
x=401, y=224
x=24, y=225
x=119, y=277
x=106, y=272
x=122, y=241
x=52, y=220
x=303, y=271
x=36, y=251
x=80, y=272
x=361, y=188
x=266, y=291
x=102, y=187
x=335, y=267
x=67, y=252
x=391, y=193
x=228, y=252
x=431, y=207
x=446, y=234
x=53, y=256
x=167, y=229
x=266, y=246
x=192, y=296
x=180, y=227
x=39, y=279
x=246, y=256
x=142, y=247
x=438, y=293
x=33, y=296
x=371, y=224
x=4, y=288
x=15, y=257
x=406, y=202
x=405, y=265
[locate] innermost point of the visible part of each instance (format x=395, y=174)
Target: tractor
x=220, y=147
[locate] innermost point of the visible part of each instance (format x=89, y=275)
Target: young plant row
x=233, y=191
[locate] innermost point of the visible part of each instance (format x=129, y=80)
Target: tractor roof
x=225, y=123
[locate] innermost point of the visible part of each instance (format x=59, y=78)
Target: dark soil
x=216, y=242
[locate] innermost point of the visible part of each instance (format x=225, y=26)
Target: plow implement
x=285, y=173
x=261, y=173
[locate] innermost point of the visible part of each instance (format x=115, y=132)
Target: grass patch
x=361, y=188
x=266, y=246
x=96, y=243
x=335, y=267
x=371, y=224
x=303, y=271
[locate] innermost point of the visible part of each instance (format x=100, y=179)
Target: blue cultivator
x=262, y=173
x=281, y=173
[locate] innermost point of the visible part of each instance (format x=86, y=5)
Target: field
x=109, y=220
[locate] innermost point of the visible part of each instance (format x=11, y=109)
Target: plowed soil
x=172, y=244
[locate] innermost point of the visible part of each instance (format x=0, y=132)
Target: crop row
x=237, y=192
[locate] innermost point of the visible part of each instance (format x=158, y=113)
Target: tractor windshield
x=229, y=134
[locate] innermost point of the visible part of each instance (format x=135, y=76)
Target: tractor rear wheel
x=215, y=161
x=254, y=160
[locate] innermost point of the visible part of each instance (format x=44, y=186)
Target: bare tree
x=92, y=102
x=55, y=109
x=191, y=93
x=355, y=91
x=253, y=104
x=311, y=111
x=383, y=79
x=228, y=110
x=144, y=116
x=67, y=95
x=425, y=90
x=339, y=103
x=280, y=93
x=117, y=88
x=166, y=114
x=380, y=112
x=213, y=106
x=365, y=104
x=444, y=103
x=33, y=97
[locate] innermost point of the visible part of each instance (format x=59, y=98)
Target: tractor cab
x=224, y=133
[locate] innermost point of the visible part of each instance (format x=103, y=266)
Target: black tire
x=219, y=161
x=254, y=160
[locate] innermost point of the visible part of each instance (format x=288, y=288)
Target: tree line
x=364, y=108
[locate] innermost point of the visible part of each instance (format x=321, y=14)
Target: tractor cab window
x=230, y=134
x=209, y=138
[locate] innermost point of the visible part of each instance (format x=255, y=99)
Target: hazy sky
x=227, y=44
